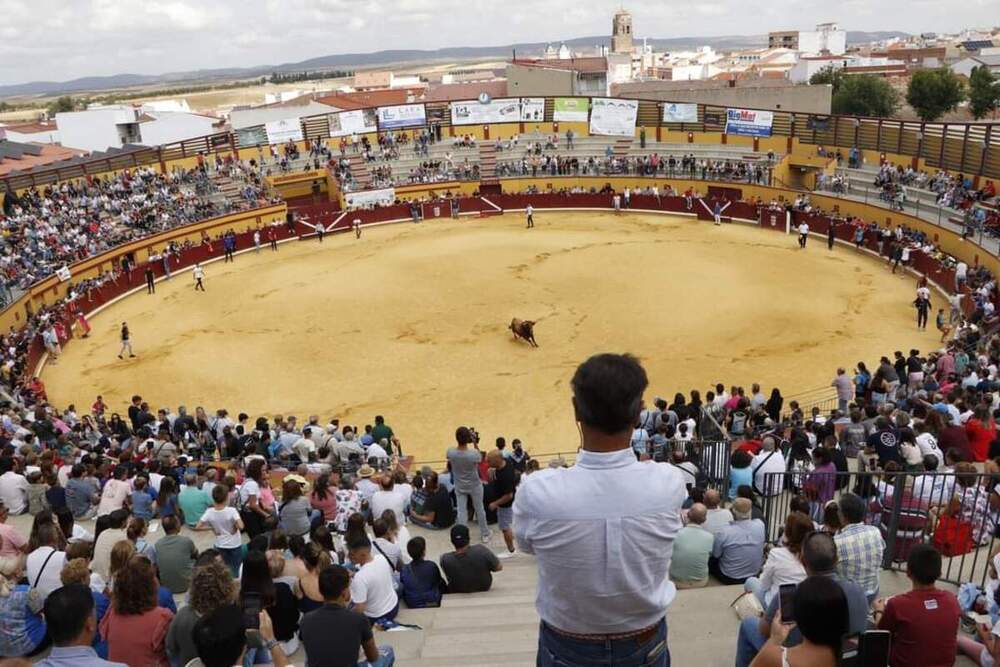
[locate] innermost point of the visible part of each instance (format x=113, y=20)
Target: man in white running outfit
x=803, y=233
x=199, y=276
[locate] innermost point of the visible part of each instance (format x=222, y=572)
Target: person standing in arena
x=319, y=230
x=126, y=339
x=256, y=240
x=357, y=227
x=530, y=211
x=150, y=280
x=923, y=305
x=717, y=213
x=831, y=234
x=272, y=238
x=803, y=233
x=199, y=276
x=603, y=531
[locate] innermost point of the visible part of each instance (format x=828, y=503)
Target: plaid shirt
x=859, y=555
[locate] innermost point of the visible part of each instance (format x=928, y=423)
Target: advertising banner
x=474, y=112
x=367, y=198
x=280, y=131
x=570, y=109
x=402, y=115
x=613, y=117
x=749, y=122
x=345, y=123
x=533, y=109
x=251, y=136
x=680, y=113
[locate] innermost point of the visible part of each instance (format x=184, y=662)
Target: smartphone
x=874, y=648
x=786, y=596
x=251, y=610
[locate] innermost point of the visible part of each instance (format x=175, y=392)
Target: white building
x=965, y=66
x=41, y=132
x=102, y=127
x=827, y=38
x=175, y=106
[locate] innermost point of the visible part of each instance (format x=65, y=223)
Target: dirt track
x=410, y=322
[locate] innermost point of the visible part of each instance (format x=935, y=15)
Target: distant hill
x=378, y=58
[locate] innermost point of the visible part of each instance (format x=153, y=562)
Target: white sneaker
x=487, y=536
x=506, y=554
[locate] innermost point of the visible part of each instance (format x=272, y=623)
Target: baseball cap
x=460, y=535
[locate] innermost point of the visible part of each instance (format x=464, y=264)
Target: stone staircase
x=228, y=188
x=359, y=171
x=488, y=163
x=622, y=148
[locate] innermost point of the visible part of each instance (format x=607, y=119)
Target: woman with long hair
x=774, y=405
x=135, y=627
x=821, y=616
x=166, y=500
x=294, y=512
x=46, y=556
x=316, y=560
x=323, y=498
x=255, y=517
x=783, y=564
x=276, y=599
x=212, y=587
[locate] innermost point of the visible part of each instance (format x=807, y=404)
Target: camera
x=475, y=435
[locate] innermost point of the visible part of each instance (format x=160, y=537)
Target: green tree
x=934, y=92
x=831, y=75
x=984, y=92
x=865, y=95
x=62, y=105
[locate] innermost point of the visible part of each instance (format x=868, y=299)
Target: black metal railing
x=953, y=511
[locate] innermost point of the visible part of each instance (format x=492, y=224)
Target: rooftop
x=588, y=65
x=16, y=156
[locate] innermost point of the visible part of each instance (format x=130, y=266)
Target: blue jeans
x=555, y=650
x=233, y=558
x=386, y=658
x=749, y=643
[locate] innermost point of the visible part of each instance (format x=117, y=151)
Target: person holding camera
x=465, y=474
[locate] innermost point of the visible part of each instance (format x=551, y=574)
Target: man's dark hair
x=463, y=435
x=170, y=524
x=66, y=612
x=333, y=581
x=821, y=611
x=117, y=519
x=852, y=508
x=220, y=637
x=207, y=556
x=416, y=547
x=924, y=564
x=819, y=553
x=6, y=464
x=607, y=392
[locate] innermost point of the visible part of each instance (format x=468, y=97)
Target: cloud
x=64, y=39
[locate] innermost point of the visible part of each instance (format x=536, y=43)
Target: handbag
x=953, y=537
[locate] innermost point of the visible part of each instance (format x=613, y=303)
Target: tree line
x=294, y=77
x=931, y=93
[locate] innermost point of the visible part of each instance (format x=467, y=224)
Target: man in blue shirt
x=69, y=614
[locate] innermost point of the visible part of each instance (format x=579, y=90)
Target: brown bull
x=524, y=329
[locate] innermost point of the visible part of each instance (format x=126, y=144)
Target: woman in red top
x=981, y=431
x=134, y=626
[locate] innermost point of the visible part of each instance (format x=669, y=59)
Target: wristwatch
x=270, y=644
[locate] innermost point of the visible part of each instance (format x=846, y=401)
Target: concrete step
x=509, y=659
x=474, y=642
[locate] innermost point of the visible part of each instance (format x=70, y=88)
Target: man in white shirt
x=769, y=460
x=718, y=517
x=803, y=233
x=388, y=498
x=13, y=488
x=372, y=591
x=603, y=530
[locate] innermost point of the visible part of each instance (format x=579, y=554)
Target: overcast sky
x=65, y=39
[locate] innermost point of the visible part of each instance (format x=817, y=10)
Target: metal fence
x=953, y=511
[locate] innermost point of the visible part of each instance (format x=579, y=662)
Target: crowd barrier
x=908, y=508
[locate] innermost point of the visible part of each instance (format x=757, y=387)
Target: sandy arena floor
x=411, y=322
